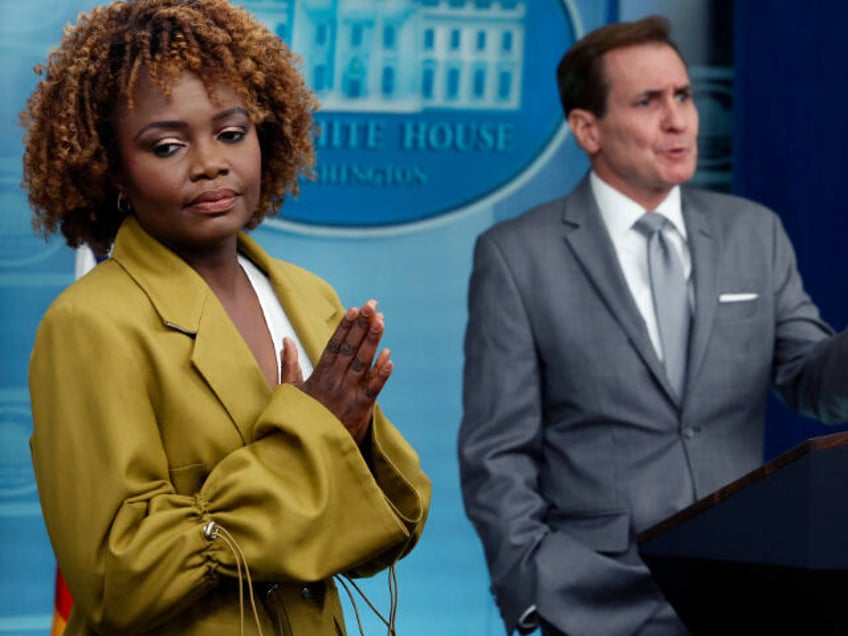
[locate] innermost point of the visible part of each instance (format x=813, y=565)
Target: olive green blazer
x=151, y=419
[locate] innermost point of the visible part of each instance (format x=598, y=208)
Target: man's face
x=646, y=143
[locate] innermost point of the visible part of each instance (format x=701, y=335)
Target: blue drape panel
x=790, y=136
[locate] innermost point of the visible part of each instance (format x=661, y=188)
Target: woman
x=180, y=454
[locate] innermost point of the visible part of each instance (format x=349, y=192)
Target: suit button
x=689, y=432
x=306, y=592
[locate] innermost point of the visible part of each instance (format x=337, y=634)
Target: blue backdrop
x=790, y=152
x=404, y=188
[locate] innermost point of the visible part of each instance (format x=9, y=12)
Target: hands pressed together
x=344, y=379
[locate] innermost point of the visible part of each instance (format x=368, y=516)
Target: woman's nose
x=209, y=161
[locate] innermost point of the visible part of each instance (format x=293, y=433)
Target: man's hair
x=581, y=73
x=71, y=147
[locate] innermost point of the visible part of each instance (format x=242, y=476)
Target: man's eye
x=166, y=149
x=232, y=135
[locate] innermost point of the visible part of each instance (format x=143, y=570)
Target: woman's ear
x=116, y=178
x=122, y=203
x=584, y=127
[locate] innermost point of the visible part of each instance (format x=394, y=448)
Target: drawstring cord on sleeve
x=390, y=623
x=214, y=531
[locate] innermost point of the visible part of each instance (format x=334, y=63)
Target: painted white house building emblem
x=426, y=105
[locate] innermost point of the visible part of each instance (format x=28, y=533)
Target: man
x=584, y=423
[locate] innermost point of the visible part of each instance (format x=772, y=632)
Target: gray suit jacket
x=572, y=441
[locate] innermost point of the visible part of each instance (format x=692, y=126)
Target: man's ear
x=584, y=127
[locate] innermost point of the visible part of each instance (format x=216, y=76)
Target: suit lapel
x=311, y=315
x=588, y=238
x=185, y=304
x=704, y=249
x=225, y=361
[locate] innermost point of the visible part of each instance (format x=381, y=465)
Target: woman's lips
x=214, y=201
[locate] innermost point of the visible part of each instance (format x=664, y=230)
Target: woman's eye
x=166, y=149
x=232, y=135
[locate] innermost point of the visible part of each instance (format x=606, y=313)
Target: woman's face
x=190, y=165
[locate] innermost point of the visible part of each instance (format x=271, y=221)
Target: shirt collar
x=619, y=212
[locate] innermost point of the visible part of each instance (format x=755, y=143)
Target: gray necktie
x=671, y=297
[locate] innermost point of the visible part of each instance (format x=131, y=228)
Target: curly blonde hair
x=71, y=147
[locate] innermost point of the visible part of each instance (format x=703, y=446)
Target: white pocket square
x=737, y=298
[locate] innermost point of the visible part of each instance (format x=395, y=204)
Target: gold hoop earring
x=123, y=204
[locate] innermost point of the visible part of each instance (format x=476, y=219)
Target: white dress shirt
x=619, y=213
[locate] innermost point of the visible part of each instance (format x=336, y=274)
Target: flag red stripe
x=63, y=601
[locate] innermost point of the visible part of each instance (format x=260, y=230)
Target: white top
x=275, y=316
x=619, y=213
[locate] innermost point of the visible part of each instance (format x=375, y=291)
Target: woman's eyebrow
x=176, y=123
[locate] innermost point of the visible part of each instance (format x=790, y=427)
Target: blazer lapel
x=185, y=304
x=588, y=238
x=225, y=361
x=704, y=248
x=310, y=314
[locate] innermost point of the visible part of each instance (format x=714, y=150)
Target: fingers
x=354, y=343
x=362, y=341
x=370, y=386
x=357, y=345
x=379, y=375
x=339, y=337
x=290, y=371
x=347, y=379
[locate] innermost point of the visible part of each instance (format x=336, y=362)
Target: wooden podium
x=767, y=554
